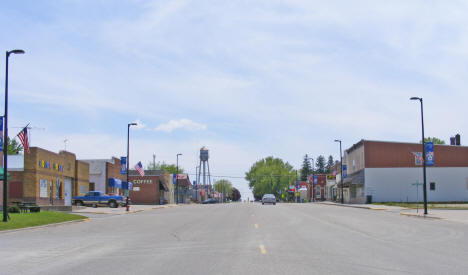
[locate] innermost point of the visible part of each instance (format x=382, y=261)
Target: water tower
x=204, y=161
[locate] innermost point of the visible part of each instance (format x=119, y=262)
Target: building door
x=68, y=191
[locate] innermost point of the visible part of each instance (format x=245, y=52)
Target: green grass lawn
x=20, y=220
x=431, y=205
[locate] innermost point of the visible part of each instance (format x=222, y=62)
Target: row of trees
x=170, y=168
x=225, y=186
x=270, y=176
x=320, y=167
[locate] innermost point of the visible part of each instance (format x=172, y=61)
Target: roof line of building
x=354, y=146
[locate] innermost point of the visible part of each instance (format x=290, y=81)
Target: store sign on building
x=146, y=181
x=46, y=164
x=418, y=160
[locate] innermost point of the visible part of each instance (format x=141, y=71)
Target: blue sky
x=247, y=79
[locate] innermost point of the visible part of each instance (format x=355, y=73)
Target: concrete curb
x=43, y=226
x=420, y=216
x=402, y=212
x=349, y=205
x=129, y=212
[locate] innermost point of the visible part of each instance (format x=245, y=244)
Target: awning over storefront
x=162, y=186
x=116, y=183
x=126, y=186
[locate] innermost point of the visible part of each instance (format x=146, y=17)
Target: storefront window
x=58, y=189
x=43, y=188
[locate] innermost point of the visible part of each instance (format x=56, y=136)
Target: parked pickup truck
x=95, y=198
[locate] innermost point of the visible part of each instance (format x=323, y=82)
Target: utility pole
x=128, y=161
x=341, y=161
x=423, y=154
x=177, y=179
x=5, y=139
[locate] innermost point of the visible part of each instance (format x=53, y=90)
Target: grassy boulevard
x=435, y=205
x=21, y=220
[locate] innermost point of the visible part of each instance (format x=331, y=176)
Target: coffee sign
x=146, y=181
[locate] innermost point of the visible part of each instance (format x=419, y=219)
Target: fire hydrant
x=127, y=207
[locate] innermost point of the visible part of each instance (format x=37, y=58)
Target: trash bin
x=369, y=199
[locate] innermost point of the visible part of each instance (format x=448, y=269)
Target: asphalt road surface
x=240, y=238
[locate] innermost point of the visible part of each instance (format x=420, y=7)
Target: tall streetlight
x=197, y=183
x=128, y=160
x=341, y=164
x=5, y=137
x=423, y=153
x=177, y=178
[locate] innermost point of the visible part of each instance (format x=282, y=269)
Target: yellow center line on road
x=262, y=249
x=256, y=226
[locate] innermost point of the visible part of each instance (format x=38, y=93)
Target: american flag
x=23, y=136
x=139, y=168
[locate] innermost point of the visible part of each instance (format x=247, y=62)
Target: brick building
x=391, y=171
x=155, y=187
x=319, y=182
x=46, y=178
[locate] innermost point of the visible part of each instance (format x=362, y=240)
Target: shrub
x=13, y=209
x=34, y=209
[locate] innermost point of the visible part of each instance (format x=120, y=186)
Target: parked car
x=209, y=201
x=95, y=198
x=269, y=198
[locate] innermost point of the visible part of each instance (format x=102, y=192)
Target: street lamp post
x=313, y=182
x=177, y=178
x=5, y=137
x=196, y=181
x=341, y=164
x=128, y=160
x=423, y=154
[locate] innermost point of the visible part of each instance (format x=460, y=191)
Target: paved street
x=241, y=238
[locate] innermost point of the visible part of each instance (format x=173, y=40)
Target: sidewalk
x=449, y=215
x=119, y=210
x=365, y=206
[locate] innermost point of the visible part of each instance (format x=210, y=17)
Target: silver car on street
x=269, y=198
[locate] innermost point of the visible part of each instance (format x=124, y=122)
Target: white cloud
x=140, y=125
x=184, y=123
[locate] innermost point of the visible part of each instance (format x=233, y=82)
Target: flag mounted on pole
x=23, y=136
x=139, y=168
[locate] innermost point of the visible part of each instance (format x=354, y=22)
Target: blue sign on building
x=429, y=153
x=123, y=165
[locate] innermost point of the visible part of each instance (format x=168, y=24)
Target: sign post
x=417, y=184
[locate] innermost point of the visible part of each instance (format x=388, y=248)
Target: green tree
x=236, y=195
x=434, y=140
x=14, y=147
x=320, y=164
x=306, y=168
x=270, y=176
x=330, y=164
x=170, y=168
x=223, y=186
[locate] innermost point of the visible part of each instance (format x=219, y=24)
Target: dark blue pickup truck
x=95, y=198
